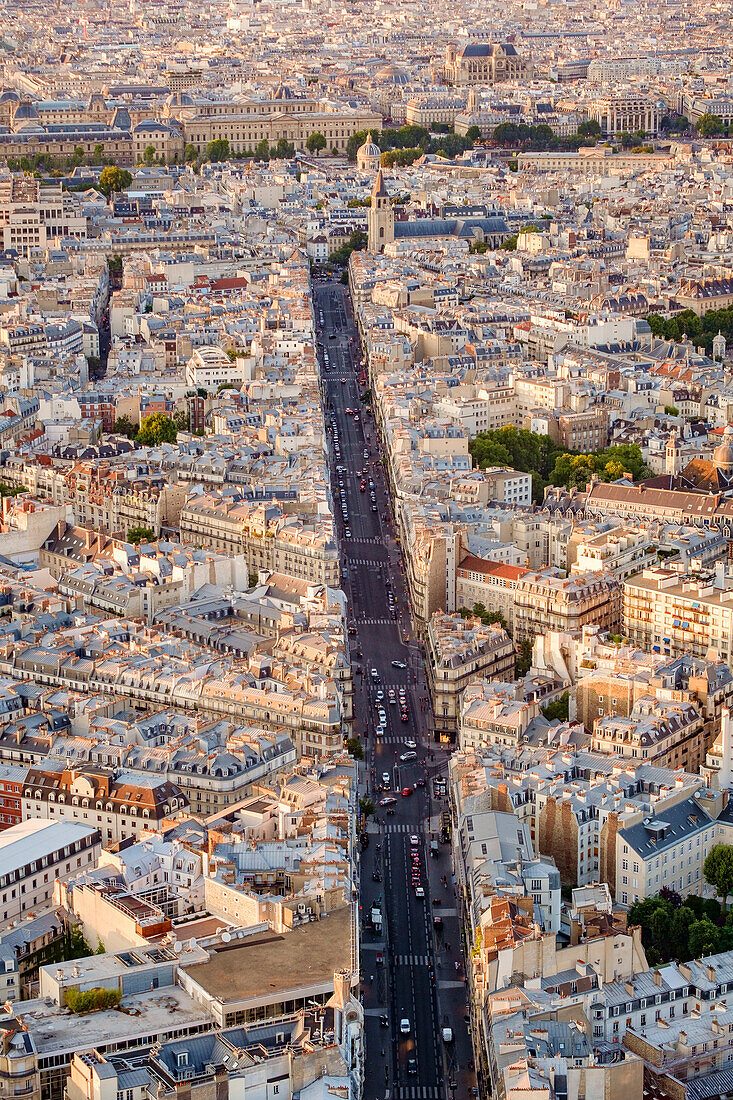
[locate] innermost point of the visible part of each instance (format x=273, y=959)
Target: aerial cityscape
x=366, y=550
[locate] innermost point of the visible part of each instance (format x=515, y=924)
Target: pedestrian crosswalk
x=410, y=960
x=377, y=622
x=398, y=827
x=418, y=1092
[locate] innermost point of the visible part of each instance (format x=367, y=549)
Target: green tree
x=262, y=152
x=125, y=425
x=354, y=143
x=156, y=428
x=682, y=921
x=589, y=129
x=355, y=748
x=190, y=153
x=473, y=134
x=284, y=149
x=670, y=410
x=315, y=142
x=137, y=535
x=218, y=150
x=704, y=938
x=149, y=155
x=709, y=125
x=113, y=179
x=718, y=870
x=523, y=660
x=366, y=806
x=97, y=154
x=558, y=709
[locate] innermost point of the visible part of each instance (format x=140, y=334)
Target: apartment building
x=490, y=583
x=670, y=734
x=548, y=600
x=34, y=854
x=269, y=538
x=508, y=486
x=458, y=651
x=618, y=550
x=668, y=612
x=491, y=715
x=669, y=848
x=118, y=804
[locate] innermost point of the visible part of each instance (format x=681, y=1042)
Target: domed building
x=701, y=475
x=723, y=453
x=484, y=63
x=391, y=74
x=368, y=156
x=25, y=114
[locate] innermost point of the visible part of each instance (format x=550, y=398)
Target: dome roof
x=25, y=110
x=369, y=149
x=179, y=99
x=723, y=454
x=9, y=96
x=392, y=74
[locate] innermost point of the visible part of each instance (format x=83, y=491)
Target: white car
x=410, y=744
x=408, y=756
x=419, y=892
x=405, y=1025
x=414, y=842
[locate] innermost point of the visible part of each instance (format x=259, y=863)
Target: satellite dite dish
x=194, y=942
x=178, y=947
x=226, y=937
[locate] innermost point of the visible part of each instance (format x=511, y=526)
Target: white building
x=33, y=854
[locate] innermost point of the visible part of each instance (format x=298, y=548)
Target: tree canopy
x=315, y=142
x=679, y=928
x=112, y=179
x=701, y=330
x=549, y=463
x=156, y=428
x=218, y=150
x=718, y=870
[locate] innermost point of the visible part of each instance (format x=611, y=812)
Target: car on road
x=406, y=792
x=399, y=664
x=412, y=1065
x=419, y=892
x=420, y=782
x=392, y=695
x=414, y=842
x=408, y=756
x=386, y=778
x=409, y=744
x=347, y=532
x=405, y=1025
x=384, y=1020
x=380, y=693
x=388, y=801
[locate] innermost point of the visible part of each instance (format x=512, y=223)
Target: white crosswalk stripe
x=377, y=622
x=399, y=827
x=410, y=960
x=418, y=1092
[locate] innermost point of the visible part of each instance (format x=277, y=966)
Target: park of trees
x=673, y=927
x=550, y=463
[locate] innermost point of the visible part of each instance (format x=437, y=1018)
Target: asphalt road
x=400, y=963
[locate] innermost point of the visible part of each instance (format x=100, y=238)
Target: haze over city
x=366, y=524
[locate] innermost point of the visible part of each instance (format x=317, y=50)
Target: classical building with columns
x=616, y=114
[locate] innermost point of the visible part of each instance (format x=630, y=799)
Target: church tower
x=672, y=457
x=381, y=216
